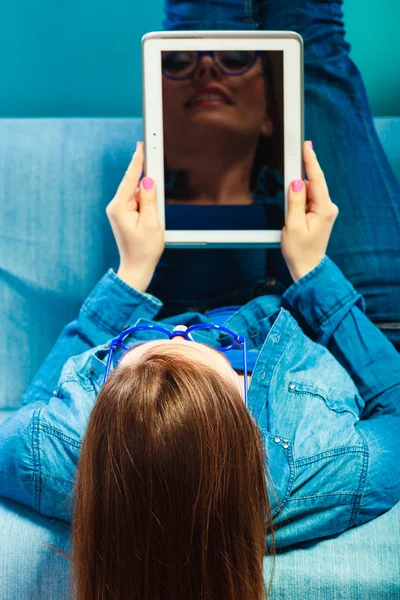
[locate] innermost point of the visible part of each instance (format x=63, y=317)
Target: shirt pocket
x=338, y=400
x=317, y=422
x=324, y=497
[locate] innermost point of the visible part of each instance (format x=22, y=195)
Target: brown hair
x=171, y=497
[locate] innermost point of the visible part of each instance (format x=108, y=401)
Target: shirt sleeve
x=40, y=445
x=333, y=314
x=109, y=308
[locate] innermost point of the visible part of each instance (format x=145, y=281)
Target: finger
x=148, y=202
x=132, y=175
x=318, y=192
x=297, y=199
x=133, y=204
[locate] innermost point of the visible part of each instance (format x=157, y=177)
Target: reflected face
x=199, y=353
x=211, y=102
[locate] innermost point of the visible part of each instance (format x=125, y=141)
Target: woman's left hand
x=310, y=218
x=134, y=220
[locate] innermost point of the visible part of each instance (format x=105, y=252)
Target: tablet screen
x=223, y=137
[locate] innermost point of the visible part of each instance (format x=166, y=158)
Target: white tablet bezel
x=153, y=44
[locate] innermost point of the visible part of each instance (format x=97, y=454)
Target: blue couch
x=56, y=178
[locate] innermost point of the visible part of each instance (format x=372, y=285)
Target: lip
x=212, y=90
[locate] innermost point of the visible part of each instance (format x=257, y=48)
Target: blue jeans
x=365, y=241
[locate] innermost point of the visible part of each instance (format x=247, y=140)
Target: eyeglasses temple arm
x=243, y=342
x=109, y=359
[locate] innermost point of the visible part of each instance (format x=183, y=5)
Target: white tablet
x=223, y=133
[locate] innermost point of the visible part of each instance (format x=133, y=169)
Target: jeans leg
x=210, y=14
x=365, y=241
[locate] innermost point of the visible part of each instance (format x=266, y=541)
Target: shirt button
x=286, y=446
x=262, y=375
x=292, y=386
x=276, y=338
x=107, y=346
x=277, y=440
x=55, y=393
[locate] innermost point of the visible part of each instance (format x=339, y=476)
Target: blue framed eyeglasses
x=182, y=64
x=195, y=333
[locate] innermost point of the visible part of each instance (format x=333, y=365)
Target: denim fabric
x=361, y=564
x=56, y=179
x=211, y=14
x=327, y=403
x=70, y=169
x=365, y=242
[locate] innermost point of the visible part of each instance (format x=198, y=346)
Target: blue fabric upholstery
x=361, y=564
x=56, y=178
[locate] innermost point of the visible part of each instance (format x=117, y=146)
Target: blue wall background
x=83, y=57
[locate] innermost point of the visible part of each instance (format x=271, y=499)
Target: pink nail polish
x=137, y=145
x=297, y=185
x=147, y=183
x=311, y=145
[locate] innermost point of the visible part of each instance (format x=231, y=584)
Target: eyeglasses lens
x=180, y=64
x=235, y=61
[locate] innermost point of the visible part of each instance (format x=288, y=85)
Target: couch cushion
x=56, y=178
x=360, y=564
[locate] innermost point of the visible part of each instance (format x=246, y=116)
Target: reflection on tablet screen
x=223, y=139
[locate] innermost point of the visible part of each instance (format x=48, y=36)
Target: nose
x=206, y=67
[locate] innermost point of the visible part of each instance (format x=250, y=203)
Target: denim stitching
x=96, y=320
x=283, y=352
x=324, y=398
x=141, y=296
x=90, y=314
x=324, y=317
x=58, y=434
x=292, y=477
x=37, y=477
x=310, y=275
x=58, y=478
x=302, y=462
x=356, y=506
x=78, y=380
x=248, y=11
x=323, y=496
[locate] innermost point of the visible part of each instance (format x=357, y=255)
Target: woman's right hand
x=137, y=230
x=310, y=218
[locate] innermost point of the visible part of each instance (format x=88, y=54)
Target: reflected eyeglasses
x=182, y=64
x=195, y=333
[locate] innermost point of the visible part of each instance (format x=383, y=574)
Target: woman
x=365, y=244
x=219, y=111
x=170, y=499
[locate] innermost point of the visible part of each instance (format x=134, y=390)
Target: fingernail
x=311, y=145
x=147, y=183
x=137, y=145
x=297, y=185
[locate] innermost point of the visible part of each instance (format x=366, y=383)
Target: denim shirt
x=323, y=373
